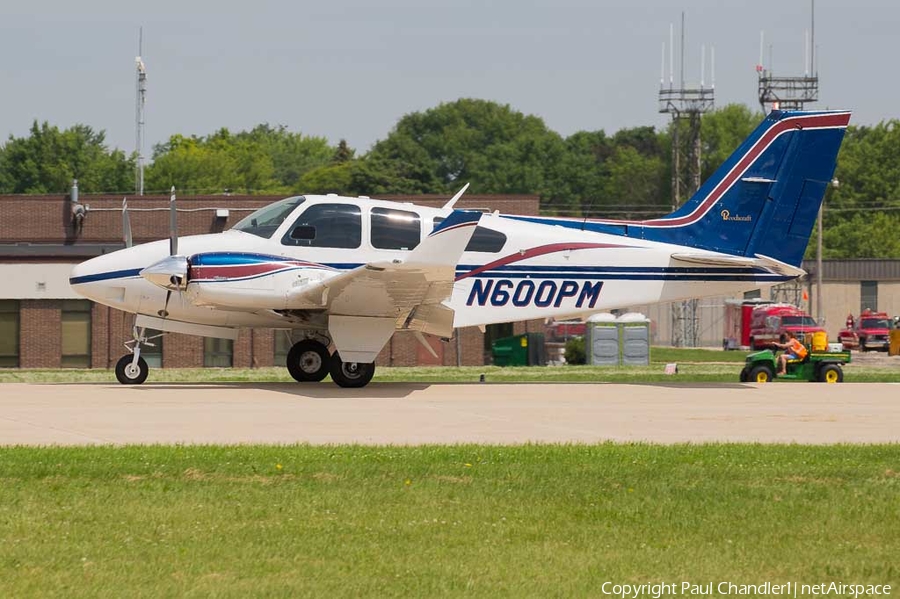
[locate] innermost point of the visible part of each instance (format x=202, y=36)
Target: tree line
x=498, y=150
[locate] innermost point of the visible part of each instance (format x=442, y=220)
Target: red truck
x=770, y=321
x=871, y=331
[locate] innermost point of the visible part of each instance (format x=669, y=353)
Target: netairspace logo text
x=723, y=588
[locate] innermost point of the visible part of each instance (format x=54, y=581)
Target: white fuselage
x=540, y=271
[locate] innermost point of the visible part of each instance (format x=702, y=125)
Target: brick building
x=44, y=324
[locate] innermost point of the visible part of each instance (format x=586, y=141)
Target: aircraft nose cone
x=85, y=272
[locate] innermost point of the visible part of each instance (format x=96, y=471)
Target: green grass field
x=464, y=520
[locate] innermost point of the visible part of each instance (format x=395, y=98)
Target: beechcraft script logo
x=726, y=215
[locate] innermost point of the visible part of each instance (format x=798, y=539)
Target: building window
x=9, y=333
x=395, y=229
x=283, y=343
x=153, y=354
x=76, y=334
x=868, y=296
x=218, y=353
x=755, y=294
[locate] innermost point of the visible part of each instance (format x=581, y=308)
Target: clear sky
x=352, y=68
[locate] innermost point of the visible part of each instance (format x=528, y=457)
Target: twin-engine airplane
x=349, y=272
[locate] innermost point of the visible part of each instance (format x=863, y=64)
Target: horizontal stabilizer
x=764, y=262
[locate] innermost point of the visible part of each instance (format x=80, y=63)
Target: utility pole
x=140, y=98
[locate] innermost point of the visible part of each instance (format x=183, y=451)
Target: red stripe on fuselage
x=537, y=251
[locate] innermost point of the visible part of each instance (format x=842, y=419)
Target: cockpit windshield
x=265, y=221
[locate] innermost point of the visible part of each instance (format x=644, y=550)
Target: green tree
x=265, y=159
x=492, y=146
x=721, y=132
x=49, y=159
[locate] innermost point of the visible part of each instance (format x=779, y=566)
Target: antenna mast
x=686, y=104
x=140, y=99
x=790, y=93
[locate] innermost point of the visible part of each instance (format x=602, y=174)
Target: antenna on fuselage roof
x=449, y=205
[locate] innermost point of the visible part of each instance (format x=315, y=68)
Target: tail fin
x=764, y=199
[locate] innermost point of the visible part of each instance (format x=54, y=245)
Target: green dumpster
x=526, y=349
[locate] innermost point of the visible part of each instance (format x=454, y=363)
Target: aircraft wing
x=410, y=290
x=758, y=261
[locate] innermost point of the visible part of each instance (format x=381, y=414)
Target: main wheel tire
x=862, y=346
x=131, y=375
x=351, y=374
x=761, y=374
x=308, y=361
x=745, y=375
x=831, y=373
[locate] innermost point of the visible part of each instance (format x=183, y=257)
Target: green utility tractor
x=824, y=367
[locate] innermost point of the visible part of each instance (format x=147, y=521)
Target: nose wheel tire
x=308, y=361
x=129, y=373
x=351, y=374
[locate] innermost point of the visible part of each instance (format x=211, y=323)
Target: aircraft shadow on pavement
x=311, y=390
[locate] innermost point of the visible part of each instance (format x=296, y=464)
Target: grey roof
x=856, y=270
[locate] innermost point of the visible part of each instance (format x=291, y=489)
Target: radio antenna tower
x=790, y=93
x=686, y=105
x=140, y=99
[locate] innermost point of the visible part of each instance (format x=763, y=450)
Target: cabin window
x=265, y=221
x=395, y=229
x=483, y=239
x=9, y=333
x=76, y=334
x=327, y=226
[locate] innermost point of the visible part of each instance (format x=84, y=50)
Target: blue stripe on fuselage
x=105, y=276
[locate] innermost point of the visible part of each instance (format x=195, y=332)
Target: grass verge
x=464, y=520
x=691, y=372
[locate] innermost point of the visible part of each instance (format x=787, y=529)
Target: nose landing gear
x=132, y=369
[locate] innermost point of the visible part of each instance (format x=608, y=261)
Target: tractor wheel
x=761, y=374
x=831, y=373
x=745, y=375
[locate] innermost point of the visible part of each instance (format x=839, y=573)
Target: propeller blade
x=173, y=225
x=164, y=313
x=126, y=225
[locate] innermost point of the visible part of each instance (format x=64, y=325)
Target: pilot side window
x=483, y=239
x=395, y=229
x=327, y=226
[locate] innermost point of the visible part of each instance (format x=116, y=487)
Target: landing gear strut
x=308, y=361
x=132, y=369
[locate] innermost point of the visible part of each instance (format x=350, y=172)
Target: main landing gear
x=132, y=369
x=310, y=361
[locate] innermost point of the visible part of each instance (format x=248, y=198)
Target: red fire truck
x=756, y=323
x=871, y=331
x=769, y=322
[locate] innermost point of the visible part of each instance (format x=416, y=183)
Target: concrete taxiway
x=32, y=414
